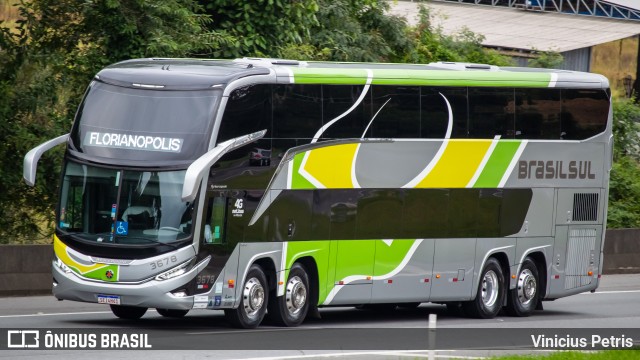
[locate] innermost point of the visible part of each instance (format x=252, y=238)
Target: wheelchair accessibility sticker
x=122, y=228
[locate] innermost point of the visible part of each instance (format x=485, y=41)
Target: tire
x=491, y=292
x=254, y=300
x=128, y=312
x=522, y=300
x=291, y=308
x=171, y=313
x=454, y=308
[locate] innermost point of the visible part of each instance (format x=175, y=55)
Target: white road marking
x=409, y=353
x=56, y=314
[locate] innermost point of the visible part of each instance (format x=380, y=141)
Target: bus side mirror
x=30, y=164
x=198, y=168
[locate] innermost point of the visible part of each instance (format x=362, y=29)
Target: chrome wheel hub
x=296, y=295
x=527, y=287
x=490, y=288
x=253, y=297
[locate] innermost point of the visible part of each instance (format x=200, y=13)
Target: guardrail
x=26, y=269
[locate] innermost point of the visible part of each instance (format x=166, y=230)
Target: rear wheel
x=128, y=312
x=171, y=313
x=291, y=308
x=253, y=305
x=491, y=292
x=524, y=298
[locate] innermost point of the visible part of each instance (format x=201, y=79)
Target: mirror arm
x=198, y=168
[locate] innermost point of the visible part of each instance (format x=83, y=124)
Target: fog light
x=180, y=293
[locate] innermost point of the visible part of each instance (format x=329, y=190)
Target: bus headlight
x=176, y=271
x=63, y=266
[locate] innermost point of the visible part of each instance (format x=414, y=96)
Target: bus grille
x=585, y=207
x=580, y=252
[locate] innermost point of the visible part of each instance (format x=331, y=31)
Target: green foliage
x=624, y=184
x=257, y=28
x=430, y=44
x=360, y=31
x=624, y=194
x=626, y=117
x=546, y=59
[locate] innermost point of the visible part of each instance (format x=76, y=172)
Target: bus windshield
x=143, y=125
x=124, y=207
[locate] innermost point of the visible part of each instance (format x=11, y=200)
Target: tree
x=431, y=44
x=259, y=28
x=546, y=59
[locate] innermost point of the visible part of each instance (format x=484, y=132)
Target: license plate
x=109, y=299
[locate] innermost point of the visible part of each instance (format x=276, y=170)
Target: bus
x=271, y=187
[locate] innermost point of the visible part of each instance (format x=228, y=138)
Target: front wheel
x=128, y=312
x=172, y=313
x=524, y=298
x=253, y=305
x=491, y=292
x=291, y=308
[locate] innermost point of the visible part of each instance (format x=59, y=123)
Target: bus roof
x=161, y=73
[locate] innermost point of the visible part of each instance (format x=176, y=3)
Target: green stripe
x=421, y=77
x=497, y=164
x=101, y=273
x=329, y=76
x=297, y=180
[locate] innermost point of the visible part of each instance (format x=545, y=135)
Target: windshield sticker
x=133, y=142
x=122, y=228
x=113, y=211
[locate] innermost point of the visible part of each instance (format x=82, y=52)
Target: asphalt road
x=614, y=306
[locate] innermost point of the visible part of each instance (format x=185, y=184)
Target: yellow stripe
x=457, y=165
x=331, y=165
x=61, y=252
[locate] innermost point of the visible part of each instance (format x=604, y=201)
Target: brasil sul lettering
x=555, y=169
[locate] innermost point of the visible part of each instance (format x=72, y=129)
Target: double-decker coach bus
x=275, y=187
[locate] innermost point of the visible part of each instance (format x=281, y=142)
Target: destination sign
x=133, y=142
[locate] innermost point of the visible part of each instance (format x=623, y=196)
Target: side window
x=491, y=113
x=538, y=114
x=489, y=210
x=248, y=110
x=378, y=212
x=463, y=213
x=337, y=101
x=398, y=112
x=434, y=114
x=425, y=213
x=584, y=113
x=297, y=111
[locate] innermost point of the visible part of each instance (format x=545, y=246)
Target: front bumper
x=149, y=294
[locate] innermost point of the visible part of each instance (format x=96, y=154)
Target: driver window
x=214, y=228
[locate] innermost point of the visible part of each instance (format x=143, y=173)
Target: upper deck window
x=142, y=124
